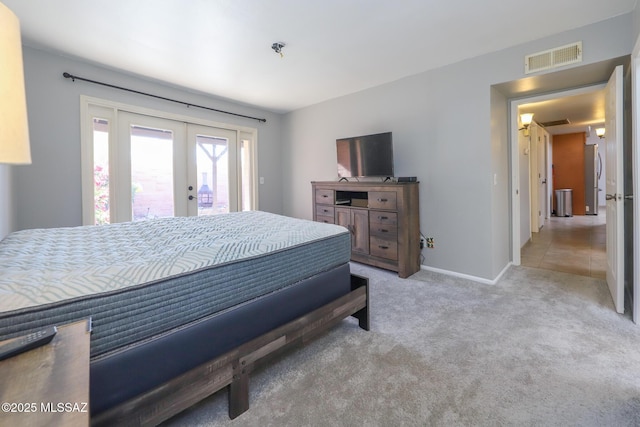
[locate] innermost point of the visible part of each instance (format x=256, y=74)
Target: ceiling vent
x=555, y=123
x=553, y=58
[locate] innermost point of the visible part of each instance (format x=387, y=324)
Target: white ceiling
x=333, y=47
x=582, y=111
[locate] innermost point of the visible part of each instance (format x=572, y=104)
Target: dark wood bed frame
x=232, y=369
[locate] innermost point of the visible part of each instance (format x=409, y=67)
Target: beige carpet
x=540, y=348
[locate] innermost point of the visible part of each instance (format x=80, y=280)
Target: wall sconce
x=14, y=129
x=600, y=132
x=526, y=120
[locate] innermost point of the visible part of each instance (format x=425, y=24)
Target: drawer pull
x=383, y=247
x=382, y=230
x=383, y=217
x=325, y=210
x=325, y=196
x=383, y=200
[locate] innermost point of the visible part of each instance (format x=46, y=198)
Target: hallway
x=574, y=245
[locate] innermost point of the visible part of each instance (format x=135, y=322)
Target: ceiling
x=584, y=112
x=333, y=47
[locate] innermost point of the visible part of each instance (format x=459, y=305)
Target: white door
x=213, y=170
x=614, y=190
x=542, y=178
x=150, y=179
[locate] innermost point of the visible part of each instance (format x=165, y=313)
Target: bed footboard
x=232, y=369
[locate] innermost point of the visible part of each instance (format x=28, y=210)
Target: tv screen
x=368, y=155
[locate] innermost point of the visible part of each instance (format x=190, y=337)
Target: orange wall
x=568, y=167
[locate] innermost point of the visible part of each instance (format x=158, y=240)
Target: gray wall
x=6, y=213
x=48, y=192
x=450, y=130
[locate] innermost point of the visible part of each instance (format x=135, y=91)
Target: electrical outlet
x=430, y=243
x=422, y=242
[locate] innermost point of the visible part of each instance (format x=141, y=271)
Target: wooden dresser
x=383, y=219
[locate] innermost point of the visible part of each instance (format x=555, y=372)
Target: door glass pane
x=152, y=194
x=101, y=171
x=212, y=161
x=247, y=175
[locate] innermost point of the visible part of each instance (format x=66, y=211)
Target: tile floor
x=574, y=245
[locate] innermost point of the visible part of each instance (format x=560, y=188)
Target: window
x=138, y=166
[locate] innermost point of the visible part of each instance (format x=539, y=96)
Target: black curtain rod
x=188, y=104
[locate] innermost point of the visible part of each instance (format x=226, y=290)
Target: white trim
x=467, y=276
x=635, y=162
x=162, y=114
x=87, y=103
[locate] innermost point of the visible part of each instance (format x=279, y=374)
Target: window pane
x=151, y=173
x=246, y=173
x=101, y=171
x=213, y=175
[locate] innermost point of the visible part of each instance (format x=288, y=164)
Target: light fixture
x=14, y=129
x=277, y=48
x=526, y=120
x=600, y=132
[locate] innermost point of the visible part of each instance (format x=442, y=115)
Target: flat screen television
x=365, y=156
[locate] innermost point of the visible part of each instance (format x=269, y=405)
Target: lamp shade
x=526, y=119
x=14, y=129
x=600, y=132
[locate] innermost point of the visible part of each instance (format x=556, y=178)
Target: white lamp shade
x=600, y=132
x=526, y=118
x=14, y=129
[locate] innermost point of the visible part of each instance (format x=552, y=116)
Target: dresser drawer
x=385, y=218
x=383, y=248
x=323, y=210
x=324, y=197
x=383, y=231
x=383, y=200
x=325, y=219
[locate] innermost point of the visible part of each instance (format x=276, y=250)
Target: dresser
x=383, y=218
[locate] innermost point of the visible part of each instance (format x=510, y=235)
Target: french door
x=213, y=181
x=144, y=167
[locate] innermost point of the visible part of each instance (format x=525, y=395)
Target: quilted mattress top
x=43, y=266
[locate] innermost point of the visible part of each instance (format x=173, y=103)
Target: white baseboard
x=468, y=276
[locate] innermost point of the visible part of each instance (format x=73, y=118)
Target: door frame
x=635, y=149
x=111, y=107
x=514, y=104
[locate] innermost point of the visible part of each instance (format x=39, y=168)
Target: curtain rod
x=188, y=104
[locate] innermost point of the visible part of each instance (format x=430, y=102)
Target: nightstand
x=49, y=385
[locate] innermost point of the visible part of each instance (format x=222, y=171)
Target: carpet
x=539, y=348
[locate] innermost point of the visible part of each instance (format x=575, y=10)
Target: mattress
x=137, y=280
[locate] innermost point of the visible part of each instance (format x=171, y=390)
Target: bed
x=180, y=307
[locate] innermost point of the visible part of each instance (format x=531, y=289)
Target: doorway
x=552, y=84
x=141, y=166
x=554, y=154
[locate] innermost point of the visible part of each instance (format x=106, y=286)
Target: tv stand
x=383, y=218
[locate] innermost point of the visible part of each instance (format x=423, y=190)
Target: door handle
x=613, y=197
x=628, y=196
x=191, y=197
